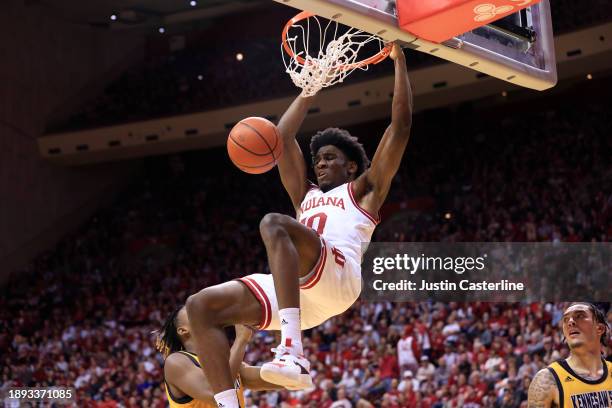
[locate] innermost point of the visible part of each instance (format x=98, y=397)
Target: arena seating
x=206, y=75
x=82, y=314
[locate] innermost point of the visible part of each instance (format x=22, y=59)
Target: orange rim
x=374, y=59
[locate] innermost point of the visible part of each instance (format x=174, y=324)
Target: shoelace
x=280, y=351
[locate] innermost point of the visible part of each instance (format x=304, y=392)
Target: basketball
x=254, y=145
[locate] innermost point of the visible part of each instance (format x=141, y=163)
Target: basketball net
x=313, y=67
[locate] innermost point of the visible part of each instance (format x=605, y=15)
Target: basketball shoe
x=287, y=369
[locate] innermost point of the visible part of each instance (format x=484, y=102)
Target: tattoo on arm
x=542, y=390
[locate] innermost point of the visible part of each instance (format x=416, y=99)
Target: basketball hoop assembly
x=508, y=39
x=317, y=60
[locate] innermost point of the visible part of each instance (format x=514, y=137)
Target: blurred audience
x=82, y=314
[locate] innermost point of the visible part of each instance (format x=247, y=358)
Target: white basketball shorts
x=328, y=290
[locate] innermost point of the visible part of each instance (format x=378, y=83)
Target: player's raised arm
x=243, y=336
x=291, y=165
x=542, y=390
x=391, y=148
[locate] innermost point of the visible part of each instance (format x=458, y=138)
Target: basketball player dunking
x=584, y=379
x=315, y=260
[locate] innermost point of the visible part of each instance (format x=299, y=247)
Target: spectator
x=426, y=370
x=408, y=382
x=408, y=351
x=342, y=401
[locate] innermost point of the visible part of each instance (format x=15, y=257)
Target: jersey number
x=320, y=218
x=338, y=257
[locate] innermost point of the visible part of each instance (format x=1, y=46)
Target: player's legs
x=293, y=251
x=209, y=311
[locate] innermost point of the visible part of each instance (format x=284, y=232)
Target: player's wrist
x=241, y=342
x=400, y=58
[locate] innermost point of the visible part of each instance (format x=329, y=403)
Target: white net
x=319, y=60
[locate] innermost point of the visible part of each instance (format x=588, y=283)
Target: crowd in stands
x=207, y=75
x=82, y=315
x=424, y=355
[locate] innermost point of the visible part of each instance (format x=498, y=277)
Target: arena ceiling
x=143, y=13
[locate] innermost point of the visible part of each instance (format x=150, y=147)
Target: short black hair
x=342, y=139
x=168, y=340
x=599, y=317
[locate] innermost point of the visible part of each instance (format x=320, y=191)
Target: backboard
x=518, y=48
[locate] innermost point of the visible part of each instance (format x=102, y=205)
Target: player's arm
x=249, y=375
x=386, y=161
x=252, y=380
x=243, y=336
x=291, y=165
x=187, y=377
x=543, y=391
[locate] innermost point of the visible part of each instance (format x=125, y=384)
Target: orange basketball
x=254, y=145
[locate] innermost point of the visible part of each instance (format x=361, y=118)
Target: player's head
x=337, y=157
x=174, y=332
x=584, y=326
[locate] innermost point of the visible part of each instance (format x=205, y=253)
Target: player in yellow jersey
x=186, y=385
x=584, y=379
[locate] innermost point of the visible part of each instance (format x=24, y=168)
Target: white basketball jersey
x=405, y=352
x=338, y=218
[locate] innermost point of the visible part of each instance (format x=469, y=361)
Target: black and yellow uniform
x=578, y=392
x=188, y=402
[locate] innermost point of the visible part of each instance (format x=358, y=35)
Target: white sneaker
x=287, y=370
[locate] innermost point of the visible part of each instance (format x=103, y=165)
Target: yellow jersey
x=186, y=401
x=578, y=392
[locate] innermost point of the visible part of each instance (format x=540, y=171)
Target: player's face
x=332, y=168
x=579, y=327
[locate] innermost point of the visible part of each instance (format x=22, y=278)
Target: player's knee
x=273, y=226
x=205, y=305
x=195, y=304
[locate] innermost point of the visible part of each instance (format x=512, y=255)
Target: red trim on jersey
x=371, y=217
x=318, y=268
x=268, y=304
x=311, y=186
x=260, y=295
